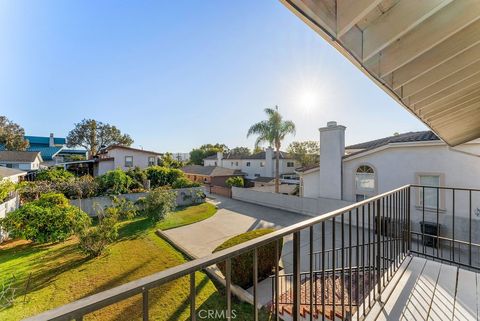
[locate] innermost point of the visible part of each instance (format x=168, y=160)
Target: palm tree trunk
x=277, y=170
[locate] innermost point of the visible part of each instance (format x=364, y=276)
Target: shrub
x=6, y=189
x=242, y=265
x=95, y=239
x=236, y=181
x=114, y=182
x=82, y=187
x=30, y=191
x=139, y=178
x=51, y=218
x=183, y=182
x=158, y=203
x=54, y=174
x=162, y=176
x=126, y=209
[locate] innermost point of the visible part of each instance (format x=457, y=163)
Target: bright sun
x=308, y=100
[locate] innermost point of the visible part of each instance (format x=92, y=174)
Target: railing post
x=228, y=277
x=379, y=227
x=409, y=221
x=145, y=304
x=193, y=313
x=296, y=276
x=255, y=284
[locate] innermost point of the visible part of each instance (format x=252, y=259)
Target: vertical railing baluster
x=423, y=218
x=296, y=276
x=357, y=262
x=145, y=304
x=438, y=224
x=193, y=314
x=333, y=266
x=228, y=277
x=453, y=226
x=323, y=271
x=255, y=284
x=409, y=221
x=350, y=263
x=277, y=278
x=343, y=265
x=369, y=256
x=311, y=273
x=470, y=227
x=379, y=227
x=363, y=258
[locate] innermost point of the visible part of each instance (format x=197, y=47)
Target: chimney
x=332, y=149
x=219, y=158
x=51, y=141
x=269, y=162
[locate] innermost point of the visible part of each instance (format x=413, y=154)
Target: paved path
x=232, y=218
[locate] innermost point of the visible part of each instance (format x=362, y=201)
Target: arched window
x=364, y=182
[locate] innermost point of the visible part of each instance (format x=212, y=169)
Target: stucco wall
x=302, y=205
x=140, y=158
x=90, y=205
x=5, y=208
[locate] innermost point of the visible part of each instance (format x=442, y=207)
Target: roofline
x=134, y=149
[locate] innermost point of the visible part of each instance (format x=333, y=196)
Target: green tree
x=236, y=181
x=273, y=131
x=167, y=160
x=159, y=202
x=240, y=151
x=114, y=182
x=54, y=174
x=306, y=152
x=94, y=135
x=12, y=136
x=197, y=155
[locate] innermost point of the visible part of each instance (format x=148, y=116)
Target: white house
x=124, y=158
x=26, y=161
x=362, y=170
x=259, y=165
x=12, y=175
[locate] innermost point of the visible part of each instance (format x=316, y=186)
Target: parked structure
x=210, y=175
x=123, y=157
x=259, y=165
x=26, y=161
x=11, y=174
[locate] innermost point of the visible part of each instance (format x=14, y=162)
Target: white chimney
x=219, y=158
x=51, y=141
x=332, y=149
x=269, y=162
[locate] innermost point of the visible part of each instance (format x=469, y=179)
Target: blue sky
x=178, y=74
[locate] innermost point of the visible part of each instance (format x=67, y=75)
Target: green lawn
x=187, y=215
x=47, y=276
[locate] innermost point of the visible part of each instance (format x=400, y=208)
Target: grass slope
x=47, y=276
x=187, y=215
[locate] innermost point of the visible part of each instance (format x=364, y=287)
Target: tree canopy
x=198, y=154
x=240, y=151
x=12, y=135
x=94, y=135
x=305, y=152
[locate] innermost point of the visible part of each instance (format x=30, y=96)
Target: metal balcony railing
x=340, y=261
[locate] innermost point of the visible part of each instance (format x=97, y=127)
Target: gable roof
x=9, y=172
x=17, y=156
x=129, y=148
x=211, y=170
x=409, y=137
x=259, y=155
x=47, y=152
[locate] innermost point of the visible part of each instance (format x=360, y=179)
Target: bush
x=6, y=190
x=236, y=181
x=126, y=209
x=82, y=187
x=54, y=174
x=242, y=265
x=114, y=182
x=158, y=203
x=162, y=176
x=51, y=218
x=183, y=182
x=95, y=239
x=139, y=178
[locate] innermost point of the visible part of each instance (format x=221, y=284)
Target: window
x=236, y=163
x=262, y=164
x=151, y=161
x=128, y=161
x=290, y=164
x=248, y=164
x=215, y=163
x=430, y=196
x=232, y=163
x=257, y=175
x=364, y=182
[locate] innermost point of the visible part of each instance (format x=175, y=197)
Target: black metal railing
x=443, y=223
x=382, y=220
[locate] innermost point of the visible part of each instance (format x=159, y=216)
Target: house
x=258, y=165
x=23, y=160
x=53, y=149
x=123, y=157
x=11, y=174
x=210, y=175
x=360, y=171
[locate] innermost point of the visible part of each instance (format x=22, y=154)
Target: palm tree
x=272, y=131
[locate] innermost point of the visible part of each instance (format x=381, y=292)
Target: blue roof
x=39, y=140
x=46, y=152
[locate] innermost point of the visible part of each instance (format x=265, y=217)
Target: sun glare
x=308, y=100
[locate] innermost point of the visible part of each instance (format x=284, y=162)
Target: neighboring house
x=210, y=175
x=11, y=174
x=25, y=161
x=258, y=165
x=359, y=171
x=53, y=149
x=123, y=157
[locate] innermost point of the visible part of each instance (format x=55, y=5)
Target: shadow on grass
x=134, y=229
